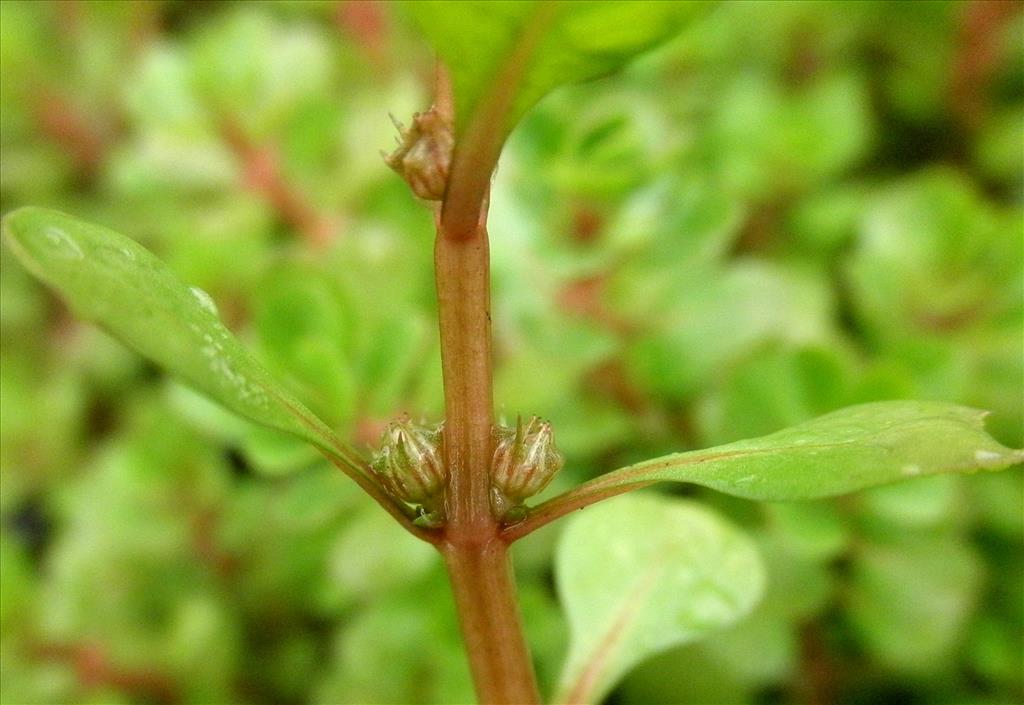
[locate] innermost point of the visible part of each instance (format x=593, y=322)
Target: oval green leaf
x=644, y=573
x=111, y=280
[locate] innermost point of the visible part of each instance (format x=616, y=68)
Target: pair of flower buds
x=410, y=466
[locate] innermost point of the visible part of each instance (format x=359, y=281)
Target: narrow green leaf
x=847, y=450
x=111, y=280
x=514, y=52
x=641, y=574
x=850, y=449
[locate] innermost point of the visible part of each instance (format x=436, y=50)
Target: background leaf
x=643, y=573
x=886, y=602
x=525, y=49
x=111, y=280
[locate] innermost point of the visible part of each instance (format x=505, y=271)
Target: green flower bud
x=409, y=464
x=525, y=461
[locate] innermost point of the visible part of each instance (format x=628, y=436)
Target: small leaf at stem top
x=513, y=53
x=111, y=280
x=505, y=56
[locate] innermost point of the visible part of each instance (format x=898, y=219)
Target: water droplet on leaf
x=62, y=244
x=986, y=456
x=204, y=299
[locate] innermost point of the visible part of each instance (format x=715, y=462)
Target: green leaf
x=934, y=502
x=505, y=56
x=706, y=318
x=644, y=573
x=927, y=586
x=111, y=280
x=372, y=556
x=850, y=449
x=812, y=530
x=952, y=270
x=403, y=647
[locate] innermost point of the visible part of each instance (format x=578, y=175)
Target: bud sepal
x=424, y=153
x=525, y=461
x=410, y=468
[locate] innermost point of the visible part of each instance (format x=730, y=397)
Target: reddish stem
x=463, y=294
x=261, y=166
x=485, y=592
x=544, y=514
x=71, y=130
x=978, y=55
x=368, y=23
x=94, y=670
x=476, y=556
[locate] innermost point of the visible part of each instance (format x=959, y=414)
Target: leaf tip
x=11, y=222
x=38, y=235
x=23, y=217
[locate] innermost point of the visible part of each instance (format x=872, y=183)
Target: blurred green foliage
x=789, y=208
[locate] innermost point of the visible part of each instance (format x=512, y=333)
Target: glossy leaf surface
x=510, y=54
x=850, y=449
x=111, y=280
x=641, y=574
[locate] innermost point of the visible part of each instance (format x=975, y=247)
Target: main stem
x=462, y=268
x=475, y=554
x=485, y=593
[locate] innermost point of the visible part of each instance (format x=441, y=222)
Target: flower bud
x=424, y=153
x=525, y=460
x=409, y=464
